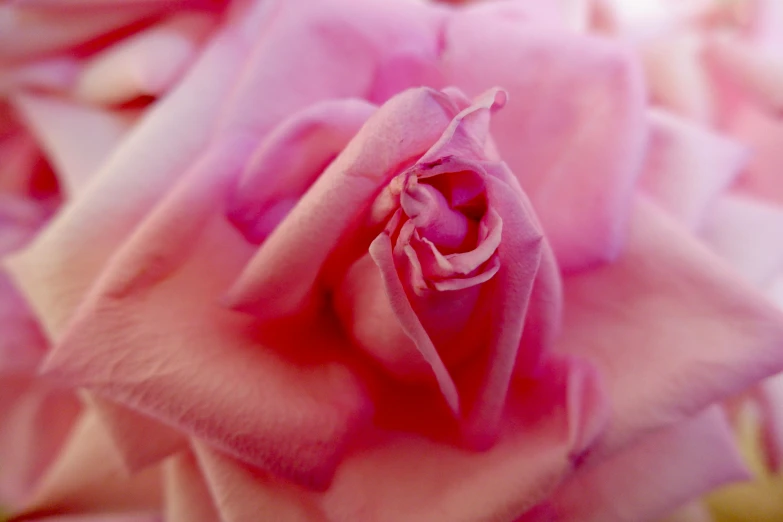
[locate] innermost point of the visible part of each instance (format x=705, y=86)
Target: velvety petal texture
x=669, y=284
x=579, y=173
x=342, y=260
x=673, y=465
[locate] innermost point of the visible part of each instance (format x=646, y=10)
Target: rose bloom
x=384, y=261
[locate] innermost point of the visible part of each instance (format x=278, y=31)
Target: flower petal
x=764, y=133
x=381, y=252
x=88, y=477
x=758, y=73
x=702, y=333
x=187, y=495
x=160, y=294
x=650, y=478
x=392, y=476
x=688, y=166
x=573, y=129
x=319, y=220
x=145, y=64
x=739, y=229
x=78, y=139
x=140, y=440
x=35, y=419
x=290, y=159
x=28, y=32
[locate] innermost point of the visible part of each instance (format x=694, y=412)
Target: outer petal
x=26, y=32
x=676, y=76
x=88, y=477
x=688, y=166
x=764, y=133
x=211, y=101
x=694, y=511
x=148, y=63
x=187, y=495
x=153, y=336
x=78, y=139
x=392, y=476
x=746, y=232
x=572, y=131
x=35, y=419
x=701, y=333
x=140, y=440
x=650, y=478
x=770, y=397
x=56, y=74
x=21, y=343
x=243, y=494
x=125, y=189
x=758, y=74
x=144, y=517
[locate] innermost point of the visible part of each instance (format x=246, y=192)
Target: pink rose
x=331, y=286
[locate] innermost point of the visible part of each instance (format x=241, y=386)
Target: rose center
x=448, y=229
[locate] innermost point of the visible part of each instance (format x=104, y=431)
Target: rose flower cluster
x=382, y=261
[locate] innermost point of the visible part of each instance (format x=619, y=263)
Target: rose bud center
x=444, y=245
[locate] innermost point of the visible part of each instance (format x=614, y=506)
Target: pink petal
x=650, y=478
x=671, y=328
x=739, y=229
x=211, y=101
x=763, y=132
x=393, y=476
x=146, y=64
x=88, y=477
x=22, y=345
x=572, y=132
x=27, y=32
x=688, y=166
x=187, y=495
x=381, y=252
x=140, y=440
x=144, y=517
x=334, y=49
x=240, y=494
x=324, y=214
x=508, y=296
x=368, y=315
x=147, y=165
x=694, y=511
x=758, y=74
x=78, y=139
x=35, y=419
x=676, y=76
x=290, y=160
x=55, y=74
x=770, y=397
x=159, y=296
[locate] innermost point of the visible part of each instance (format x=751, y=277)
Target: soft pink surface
x=648, y=479
x=722, y=67
x=332, y=293
x=51, y=145
x=35, y=417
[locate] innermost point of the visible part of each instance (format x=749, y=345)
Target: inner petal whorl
x=449, y=229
